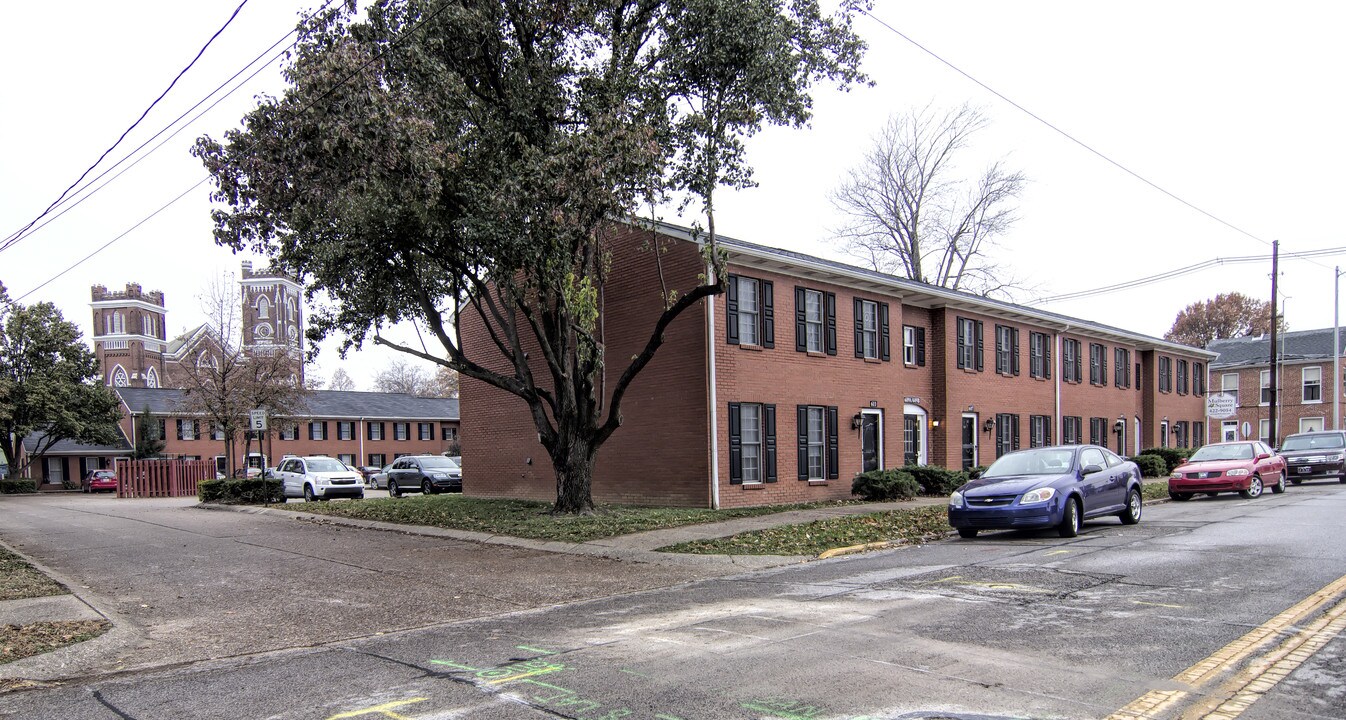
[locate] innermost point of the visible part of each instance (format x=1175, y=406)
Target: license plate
x=1304, y=470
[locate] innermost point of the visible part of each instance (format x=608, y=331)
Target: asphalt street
x=1219, y=607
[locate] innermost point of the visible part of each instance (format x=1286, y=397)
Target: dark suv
x=1312, y=455
x=424, y=473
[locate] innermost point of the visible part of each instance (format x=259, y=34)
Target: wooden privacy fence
x=162, y=478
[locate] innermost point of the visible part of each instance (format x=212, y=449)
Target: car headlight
x=956, y=499
x=1336, y=457
x=1237, y=472
x=1175, y=475
x=1041, y=495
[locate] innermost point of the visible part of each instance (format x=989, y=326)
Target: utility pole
x=1272, y=353
x=1336, y=348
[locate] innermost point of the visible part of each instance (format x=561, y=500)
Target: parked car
x=1246, y=468
x=99, y=480
x=368, y=472
x=1048, y=487
x=427, y=474
x=1312, y=455
x=318, y=477
x=379, y=480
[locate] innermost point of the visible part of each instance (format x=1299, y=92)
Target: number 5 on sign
x=257, y=420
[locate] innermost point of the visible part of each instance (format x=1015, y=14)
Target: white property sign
x=1221, y=406
x=257, y=420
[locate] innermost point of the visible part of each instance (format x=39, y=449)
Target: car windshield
x=1241, y=451
x=105, y=474
x=325, y=465
x=1312, y=442
x=439, y=462
x=1042, y=461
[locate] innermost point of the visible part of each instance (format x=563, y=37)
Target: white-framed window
x=345, y=430
x=401, y=431
x=118, y=323
x=1311, y=424
x=1229, y=384
x=55, y=470
x=347, y=458
x=908, y=345
x=1264, y=431
x=1313, y=385
x=1229, y=430
x=1264, y=380
x=1163, y=434
x=816, y=438
x=813, y=320
x=263, y=307
x=869, y=328
x=749, y=311
x=750, y=429
x=216, y=431
x=186, y=429
x=967, y=347
x=317, y=430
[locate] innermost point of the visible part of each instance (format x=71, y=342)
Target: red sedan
x=97, y=480
x=1242, y=467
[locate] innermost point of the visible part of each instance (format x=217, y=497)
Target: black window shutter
x=920, y=346
x=1102, y=365
x=179, y=429
x=831, y=324
x=832, y=454
x=802, y=413
x=1014, y=425
x=1014, y=351
x=963, y=341
x=731, y=310
x=859, y=328
x=981, y=348
x=883, y=331
x=735, y=445
x=1046, y=356
x=768, y=316
x=801, y=317
x=1047, y=429
x=769, y=435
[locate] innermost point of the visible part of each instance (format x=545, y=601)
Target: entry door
x=871, y=440
x=969, y=442
x=1121, y=438
x=221, y=466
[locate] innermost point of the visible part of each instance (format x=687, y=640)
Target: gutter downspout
x=714, y=403
x=1060, y=429
x=362, y=427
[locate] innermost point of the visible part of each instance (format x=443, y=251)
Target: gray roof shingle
x=72, y=447
x=320, y=404
x=1294, y=346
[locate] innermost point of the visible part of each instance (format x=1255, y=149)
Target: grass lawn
x=908, y=526
x=21, y=641
x=530, y=519
x=20, y=580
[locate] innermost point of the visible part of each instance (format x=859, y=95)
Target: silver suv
x=318, y=477
x=425, y=474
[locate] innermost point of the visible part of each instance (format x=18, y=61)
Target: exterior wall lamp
x=934, y=423
x=1119, y=425
x=989, y=426
x=856, y=422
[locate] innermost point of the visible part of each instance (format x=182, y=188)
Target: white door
x=914, y=435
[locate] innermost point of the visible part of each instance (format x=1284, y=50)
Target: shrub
x=935, y=480
x=1151, y=465
x=15, y=486
x=1172, y=456
x=246, y=491
x=890, y=484
x=976, y=472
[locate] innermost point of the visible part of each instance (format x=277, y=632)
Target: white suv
x=318, y=477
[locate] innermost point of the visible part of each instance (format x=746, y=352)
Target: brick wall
x=1295, y=413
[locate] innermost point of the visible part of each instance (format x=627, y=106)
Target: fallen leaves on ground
x=913, y=525
x=21, y=641
x=20, y=580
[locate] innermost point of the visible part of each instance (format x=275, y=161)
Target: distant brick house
x=808, y=371
x=1305, y=390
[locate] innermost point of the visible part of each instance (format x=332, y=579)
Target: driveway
x=184, y=583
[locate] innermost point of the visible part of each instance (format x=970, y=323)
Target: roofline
x=881, y=281
x=127, y=303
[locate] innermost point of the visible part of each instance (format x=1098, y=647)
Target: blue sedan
x=1049, y=487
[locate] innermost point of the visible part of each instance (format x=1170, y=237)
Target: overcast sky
x=1234, y=107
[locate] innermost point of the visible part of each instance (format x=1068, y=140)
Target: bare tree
x=340, y=381
x=401, y=376
x=445, y=383
x=911, y=215
x=222, y=384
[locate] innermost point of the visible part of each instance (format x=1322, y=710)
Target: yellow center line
x=1155, y=702
x=1163, y=605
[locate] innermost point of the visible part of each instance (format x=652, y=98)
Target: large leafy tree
x=1228, y=315
x=443, y=157
x=50, y=387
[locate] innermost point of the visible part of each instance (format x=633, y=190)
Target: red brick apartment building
x=809, y=371
x=1304, y=390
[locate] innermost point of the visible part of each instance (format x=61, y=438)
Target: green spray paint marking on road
x=533, y=649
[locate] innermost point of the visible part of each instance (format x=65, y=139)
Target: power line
x=15, y=237
x=1063, y=133
x=411, y=31
x=1187, y=270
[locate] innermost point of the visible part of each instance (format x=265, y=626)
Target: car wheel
x=308, y=494
x=1070, y=524
x=1279, y=487
x=1180, y=497
x=393, y=490
x=427, y=488
x=967, y=533
x=1342, y=479
x=361, y=496
x=84, y=489
x=1297, y=481
x=1254, y=488
x=1134, y=507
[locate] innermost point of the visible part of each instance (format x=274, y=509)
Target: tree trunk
x=573, y=461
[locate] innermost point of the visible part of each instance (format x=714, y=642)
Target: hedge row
x=15, y=486
x=907, y=482
x=1172, y=456
x=1151, y=465
x=240, y=491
